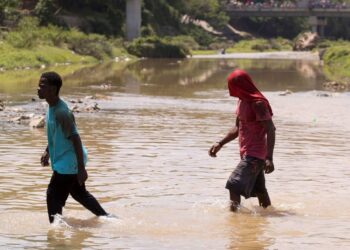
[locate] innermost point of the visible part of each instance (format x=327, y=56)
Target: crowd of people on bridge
x=267, y=4
x=327, y=4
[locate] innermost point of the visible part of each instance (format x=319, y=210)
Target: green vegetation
x=271, y=27
x=337, y=60
x=154, y=47
x=31, y=45
x=259, y=45
x=12, y=58
x=203, y=52
x=39, y=32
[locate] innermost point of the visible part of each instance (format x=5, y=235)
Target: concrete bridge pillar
x=133, y=19
x=318, y=24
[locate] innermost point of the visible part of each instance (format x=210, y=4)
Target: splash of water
x=60, y=222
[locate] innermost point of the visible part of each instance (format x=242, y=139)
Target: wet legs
x=81, y=195
x=235, y=201
x=264, y=199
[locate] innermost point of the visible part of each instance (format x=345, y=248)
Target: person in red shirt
x=256, y=132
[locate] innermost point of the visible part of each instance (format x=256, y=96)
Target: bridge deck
x=235, y=12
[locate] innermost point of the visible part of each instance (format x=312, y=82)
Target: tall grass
x=31, y=45
x=337, y=61
x=260, y=45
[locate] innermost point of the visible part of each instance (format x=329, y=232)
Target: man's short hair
x=53, y=79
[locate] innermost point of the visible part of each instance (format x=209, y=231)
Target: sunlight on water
x=149, y=166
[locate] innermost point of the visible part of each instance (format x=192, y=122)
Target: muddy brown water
x=148, y=161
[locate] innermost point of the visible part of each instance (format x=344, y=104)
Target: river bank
x=292, y=55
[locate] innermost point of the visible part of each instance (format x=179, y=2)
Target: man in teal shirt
x=65, y=151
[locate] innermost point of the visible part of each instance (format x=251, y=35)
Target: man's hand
x=269, y=167
x=82, y=175
x=45, y=159
x=214, y=149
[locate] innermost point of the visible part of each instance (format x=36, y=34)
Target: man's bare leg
x=264, y=199
x=235, y=201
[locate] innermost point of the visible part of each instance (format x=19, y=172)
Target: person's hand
x=214, y=149
x=45, y=159
x=269, y=166
x=82, y=176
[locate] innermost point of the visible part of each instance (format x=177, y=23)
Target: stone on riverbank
x=286, y=92
x=306, y=41
x=83, y=105
x=37, y=122
x=2, y=106
x=34, y=121
x=336, y=86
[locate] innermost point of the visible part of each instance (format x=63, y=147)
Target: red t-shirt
x=252, y=135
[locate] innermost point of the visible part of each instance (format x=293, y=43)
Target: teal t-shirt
x=60, y=126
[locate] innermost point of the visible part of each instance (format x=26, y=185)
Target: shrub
x=8, y=10
x=155, y=47
x=92, y=45
x=26, y=34
x=53, y=35
x=261, y=47
x=147, y=31
x=45, y=10
x=202, y=37
x=186, y=42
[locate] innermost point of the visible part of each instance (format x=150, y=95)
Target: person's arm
x=270, y=137
x=78, y=148
x=230, y=136
x=45, y=157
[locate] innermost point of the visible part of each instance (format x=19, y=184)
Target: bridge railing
x=287, y=5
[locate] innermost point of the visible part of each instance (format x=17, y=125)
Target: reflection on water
x=170, y=78
x=149, y=165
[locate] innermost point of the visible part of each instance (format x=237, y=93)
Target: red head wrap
x=241, y=85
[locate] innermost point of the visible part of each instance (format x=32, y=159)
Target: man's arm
x=45, y=157
x=230, y=136
x=78, y=148
x=270, y=137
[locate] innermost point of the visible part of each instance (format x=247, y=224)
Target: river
x=148, y=161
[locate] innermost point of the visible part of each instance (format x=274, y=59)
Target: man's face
x=45, y=90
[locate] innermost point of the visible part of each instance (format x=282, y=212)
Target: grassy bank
x=14, y=80
x=336, y=60
x=30, y=45
x=40, y=56
x=255, y=45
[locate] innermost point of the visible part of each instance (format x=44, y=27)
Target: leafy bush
x=45, y=10
x=186, y=42
x=337, y=61
x=26, y=34
x=147, y=31
x=8, y=9
x=261, y=45
x=155, y=47
x=202, y=37
x=92, y=45
x=53, y=35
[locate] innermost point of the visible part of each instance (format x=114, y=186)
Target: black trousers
x=61, y=185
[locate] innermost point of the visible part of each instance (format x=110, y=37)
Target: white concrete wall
x=133, y=19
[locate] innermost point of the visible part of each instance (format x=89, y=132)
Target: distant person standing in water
x=65, y=151
x=256, y=132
